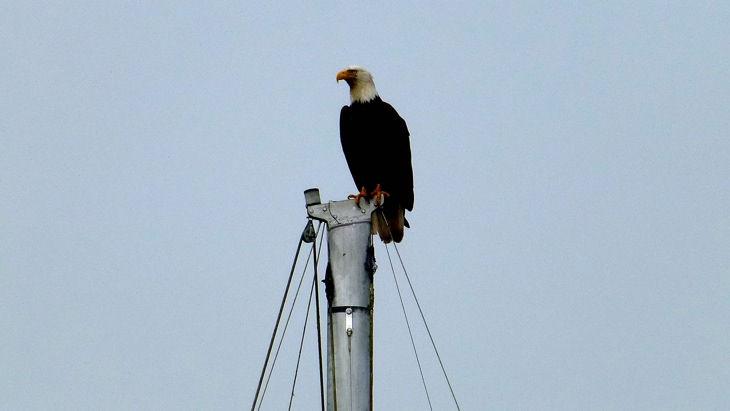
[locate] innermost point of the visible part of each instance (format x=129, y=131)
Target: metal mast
x=350, y=297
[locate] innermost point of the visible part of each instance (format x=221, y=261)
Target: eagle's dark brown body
x=376, y=144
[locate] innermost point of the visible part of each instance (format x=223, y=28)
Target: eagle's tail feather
x=389, y=224
x=380, y=226
x=396, y=224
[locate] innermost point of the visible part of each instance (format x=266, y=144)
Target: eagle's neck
x=362, y=92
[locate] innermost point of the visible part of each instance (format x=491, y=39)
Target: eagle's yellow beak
x=346, y=75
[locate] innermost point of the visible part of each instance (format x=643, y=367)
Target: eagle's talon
x=379, y=195
x=358, y=196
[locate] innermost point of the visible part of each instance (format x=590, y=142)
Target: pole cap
x=311, y=197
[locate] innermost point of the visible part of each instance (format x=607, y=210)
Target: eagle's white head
x=362, y=87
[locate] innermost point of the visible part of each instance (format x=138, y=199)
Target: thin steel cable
x=281, y=339
x=423, y=317
x=425, y=323
x=276, y=325
x=301, y=344
x=286, y=323
x=333, y=366
x=410, y=333
x=319, y=330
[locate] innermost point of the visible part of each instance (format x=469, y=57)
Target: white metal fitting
x=348, y=321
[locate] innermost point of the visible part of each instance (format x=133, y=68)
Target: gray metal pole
x=350, y=296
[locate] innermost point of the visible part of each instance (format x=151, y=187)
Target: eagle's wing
x=353, y=154
x=400, y=156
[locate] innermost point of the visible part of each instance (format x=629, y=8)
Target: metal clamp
x=348, y=321
x=336, y=213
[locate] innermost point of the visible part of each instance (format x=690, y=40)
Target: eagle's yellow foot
x=379, y=195
x=358, y=196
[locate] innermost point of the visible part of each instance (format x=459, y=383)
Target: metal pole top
x=337, y=213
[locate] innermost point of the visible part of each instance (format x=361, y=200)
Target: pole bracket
x=338, y=213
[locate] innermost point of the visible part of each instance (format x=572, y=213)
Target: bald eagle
x=375, y=141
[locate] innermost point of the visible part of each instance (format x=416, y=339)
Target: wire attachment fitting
x=308, y=235
x=348, y=321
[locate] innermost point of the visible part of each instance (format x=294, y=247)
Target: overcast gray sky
x=570, y=232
